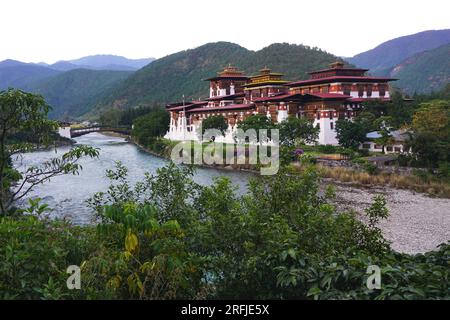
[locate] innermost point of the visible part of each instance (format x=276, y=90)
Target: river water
x=66, y=195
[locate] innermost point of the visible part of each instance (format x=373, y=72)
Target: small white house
x=399, y=137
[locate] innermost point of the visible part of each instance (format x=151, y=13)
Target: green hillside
x=424, y=72
x=73, y=93
x=167, y=79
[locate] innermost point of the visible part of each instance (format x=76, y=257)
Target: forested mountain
x=169, y=78
x=424, y=72
x=393, y=52
x=73, y=93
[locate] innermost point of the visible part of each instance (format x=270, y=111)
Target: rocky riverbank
x=417, y=222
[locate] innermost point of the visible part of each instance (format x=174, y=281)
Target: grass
x=411, y=182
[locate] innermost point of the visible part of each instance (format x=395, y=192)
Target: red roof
x=278, y=97
x=230, y=77
x=369, y=99
x=339, y=78
x=229, y=107
x=286, y=97
x=328, y=95
x=186, y=106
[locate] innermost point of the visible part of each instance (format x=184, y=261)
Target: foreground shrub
x=170, y=238
x=34, y=256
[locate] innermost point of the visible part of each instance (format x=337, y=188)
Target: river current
x=66, y=195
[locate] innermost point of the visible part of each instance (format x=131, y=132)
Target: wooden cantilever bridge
x=77, y=132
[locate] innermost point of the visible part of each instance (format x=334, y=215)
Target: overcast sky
x=51, y=30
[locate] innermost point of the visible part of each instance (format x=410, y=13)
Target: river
x=417, y=223
x=66, y=195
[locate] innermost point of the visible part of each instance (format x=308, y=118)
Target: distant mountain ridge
x=70, y=87
x=101, y=62
x=393, y=52
x=16, y=74
x=105, y=62
x=19, y=74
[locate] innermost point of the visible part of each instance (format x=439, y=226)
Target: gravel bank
x=417, y=223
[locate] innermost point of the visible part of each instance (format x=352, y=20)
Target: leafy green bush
x=343, y=276
x=359, y=161
x=170, y=238
x=35, y=255
x=363, y=152
x=370, y=168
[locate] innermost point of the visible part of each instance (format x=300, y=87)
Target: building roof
x=266, y=83
x=266, y=77
x=229, y=107
x=229, y=77
x=369, y=99
x=397, y=135
x=338, y=79
x=299, y=96
x=279, y=97
x=266, y=72
x=189, y=105
x=334, y=69
x=328, y=96
x=373, y=135
x=229, y=72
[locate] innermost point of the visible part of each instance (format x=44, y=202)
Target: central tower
x=229, y=81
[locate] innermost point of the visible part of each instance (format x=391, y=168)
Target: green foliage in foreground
x=170, y=238
x=25, y=128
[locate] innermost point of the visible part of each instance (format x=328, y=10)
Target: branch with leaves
x=24, y=127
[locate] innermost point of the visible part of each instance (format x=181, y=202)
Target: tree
x=297, y=130
x=367, y=119
x=428, y=149
x=430, y=137
x=383, y=126
x=23, y=115
x=350, y=134
x=110, y=118
x=128, y=116
x=400, y=110
x=215, y=122
x=257, y=122
x=433, y=117
x=150, y=126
